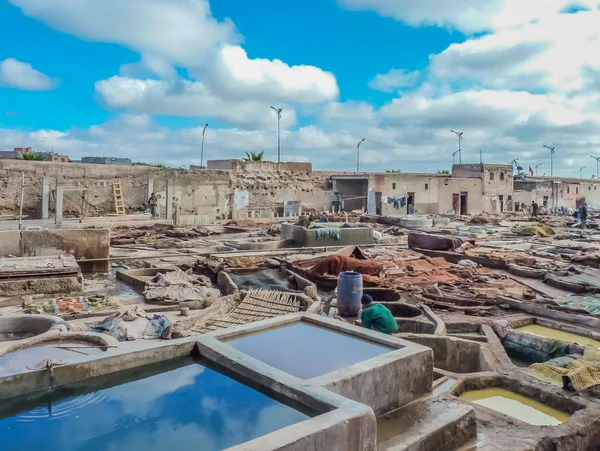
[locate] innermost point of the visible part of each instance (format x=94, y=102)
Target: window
x=502, y=176
x=577, y=190
x=492, y=175
x=568, y=191
x=393, y=186
x=426, y=185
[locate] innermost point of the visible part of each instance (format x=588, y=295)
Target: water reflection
x=307, y=351
x=186, y=407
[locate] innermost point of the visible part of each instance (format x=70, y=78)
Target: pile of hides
x=420, y=240
x=587, y=304
x=543, y=230
x=178, y=286
x=582, y=373
x=328, y=233
x=66, y=305
x=134, y=324
x=335, y=264
x=480, y=219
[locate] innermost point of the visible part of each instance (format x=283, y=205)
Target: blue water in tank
x=349, y=293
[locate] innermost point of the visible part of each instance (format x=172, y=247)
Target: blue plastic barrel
x=349, y=293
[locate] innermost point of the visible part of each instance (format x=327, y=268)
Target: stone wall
x=207, y=193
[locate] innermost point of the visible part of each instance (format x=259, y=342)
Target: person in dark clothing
x=583, y=214
x=377, y=316
x=152, y=203
x=534, y=209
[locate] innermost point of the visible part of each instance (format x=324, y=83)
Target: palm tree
x=393, y=171
x=254, y=156
x=443, y=171
x=30, y=156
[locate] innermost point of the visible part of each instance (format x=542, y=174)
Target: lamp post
x=459, y=135
x=597, y=160
x=536, y=169
x=358, y=153
x=581, y=172
x=454, y=156
x=278, y=111
x=202, y=151
x=552, y=152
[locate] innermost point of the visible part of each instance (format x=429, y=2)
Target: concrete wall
x=591, y=192
x=498, y=184
x=81, y=243
x=353, y=191
x=424, y=186
x=308, y=238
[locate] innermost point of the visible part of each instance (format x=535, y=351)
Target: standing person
x=534, y=209
x=152, y=203
x=377, y=316
x=583, y=214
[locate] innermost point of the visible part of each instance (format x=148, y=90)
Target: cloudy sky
x=140, y=78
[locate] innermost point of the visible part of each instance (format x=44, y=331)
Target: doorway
x=501, y=198
x=410, y=203
x=456, y=203
x=464, y=203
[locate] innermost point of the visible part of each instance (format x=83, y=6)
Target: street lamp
x=454, y=156
x=202, y=151
x=581, y=172
x=536, y=169
x=552, y=152
x=597, y=160
x=278, y=111
x=459, y=136
x=358, y=153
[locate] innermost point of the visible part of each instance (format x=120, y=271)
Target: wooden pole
x=21, y=204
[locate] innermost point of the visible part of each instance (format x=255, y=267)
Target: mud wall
x=202, y=192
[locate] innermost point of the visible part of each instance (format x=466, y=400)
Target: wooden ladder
x=119, y=201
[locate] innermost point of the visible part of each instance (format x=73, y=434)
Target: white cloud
x=183, y=33
x=235, y=75
x=186, y=98
x=394, y=80
x=178, y=31
x=467, y=15
x=533, y=57
x=16, y=74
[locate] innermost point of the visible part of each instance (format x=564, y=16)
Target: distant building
x=107, y=160
x=58, y=158
x=48, y=156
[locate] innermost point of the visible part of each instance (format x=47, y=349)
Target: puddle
x=542, y=331
x=54, y=351
x=307, y=351
x=517, y=406
x=178, y=404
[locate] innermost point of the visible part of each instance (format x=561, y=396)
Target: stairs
x=119, y=200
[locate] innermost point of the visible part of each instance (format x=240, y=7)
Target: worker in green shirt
x=377, y=316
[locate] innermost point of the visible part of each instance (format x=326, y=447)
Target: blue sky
x=141, y=78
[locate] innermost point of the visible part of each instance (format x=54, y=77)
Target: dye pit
x=57, y=352
x=178, y=404
x=307, y=351
x=267, y=279
x=547, y=332
x=517, y=406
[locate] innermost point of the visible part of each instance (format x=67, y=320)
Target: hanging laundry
x=384, y=199
x=403, y=201
x=396, y=202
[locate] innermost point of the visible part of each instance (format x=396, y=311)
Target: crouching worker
x=377, y=316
